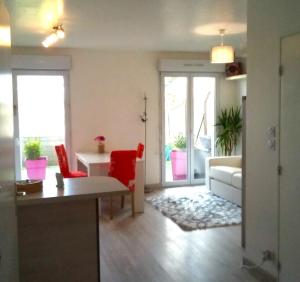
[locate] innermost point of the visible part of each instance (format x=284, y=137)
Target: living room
x=107, y=86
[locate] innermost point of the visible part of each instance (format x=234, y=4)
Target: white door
x=203, y=120
x=8, y=219
x=289, y=239
x=188, y=123
x=175, y=153
x=41, y=104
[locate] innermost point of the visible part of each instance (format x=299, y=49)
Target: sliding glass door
x=189, y=106
x=41, y=113
x=175, y=154
x=203, y=124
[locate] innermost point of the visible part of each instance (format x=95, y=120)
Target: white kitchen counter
x=58, y=230
x=75, y=188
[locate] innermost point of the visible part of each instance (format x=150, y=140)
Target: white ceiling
x=164, y=25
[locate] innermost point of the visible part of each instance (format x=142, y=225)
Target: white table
x=96, y=164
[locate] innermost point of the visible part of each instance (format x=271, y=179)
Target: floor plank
x=152, y=247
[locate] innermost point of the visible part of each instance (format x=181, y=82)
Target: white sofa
x=224, y=177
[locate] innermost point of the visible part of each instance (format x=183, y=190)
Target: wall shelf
x=236, y=77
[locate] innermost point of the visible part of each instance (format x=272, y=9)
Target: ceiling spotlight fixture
x=57, y=33
x=222, y=54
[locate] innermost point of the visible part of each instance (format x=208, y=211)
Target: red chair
x=63, y=164
x=122, y=167
x=140, y=150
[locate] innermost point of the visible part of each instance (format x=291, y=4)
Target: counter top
x=75, y=189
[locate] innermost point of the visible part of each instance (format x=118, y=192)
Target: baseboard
x=152, y=187
x=259, y=273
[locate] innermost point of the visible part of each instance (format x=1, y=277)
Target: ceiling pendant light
x=222, y=54
x=57, y=33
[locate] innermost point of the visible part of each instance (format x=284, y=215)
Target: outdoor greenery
x=180, y=142
x=229, y=125
x=32, y=149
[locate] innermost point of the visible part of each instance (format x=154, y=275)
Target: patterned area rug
x=199, y=210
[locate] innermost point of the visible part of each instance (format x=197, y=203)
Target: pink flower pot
x=36, y=169
x=179, y=165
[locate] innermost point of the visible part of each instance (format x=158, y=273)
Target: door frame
x=283, y=272
x=189, y=125
x=68, y=136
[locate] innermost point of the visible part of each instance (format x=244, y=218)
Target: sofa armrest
x=234, y=161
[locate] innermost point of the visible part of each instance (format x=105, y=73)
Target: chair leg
x=111, y=208
x=132, y=204
x=122, y=201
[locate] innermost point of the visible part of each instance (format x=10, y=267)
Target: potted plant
x=229, y=123
x=179, y=158
x=34, y=162
x=180, y=142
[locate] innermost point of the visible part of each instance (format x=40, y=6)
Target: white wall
x=268, y=21
x=241, y=89
x=106, y=93
x=228, y=94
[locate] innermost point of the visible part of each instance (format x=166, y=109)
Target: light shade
x=222, y=54
x=60, y=33
x=51, y=39
x=57, y=33
x=4, y=36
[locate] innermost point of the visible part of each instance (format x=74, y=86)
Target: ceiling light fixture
x=222, y=54
x=57, y=33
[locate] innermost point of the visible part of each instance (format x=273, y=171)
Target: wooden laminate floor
x=153, y=248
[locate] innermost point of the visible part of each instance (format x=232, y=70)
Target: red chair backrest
x=140, y=150
x=62, y=160
x=122, y=165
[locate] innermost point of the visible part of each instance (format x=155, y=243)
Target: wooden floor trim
x=259, y=273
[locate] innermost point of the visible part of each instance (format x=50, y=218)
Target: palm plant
x=230, y=125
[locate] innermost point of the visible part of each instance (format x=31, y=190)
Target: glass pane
x=41, y=110
x=204, y=121
x=175, y=128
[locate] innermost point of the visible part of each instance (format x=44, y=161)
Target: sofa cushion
x=237, y=180
x=223, y=173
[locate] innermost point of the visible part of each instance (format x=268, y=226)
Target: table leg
x=82, y=167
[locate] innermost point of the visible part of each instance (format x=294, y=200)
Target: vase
x=101, y=148
x=36, y=169
x=179, y=164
